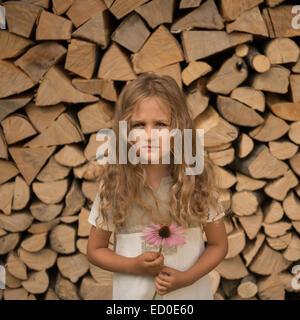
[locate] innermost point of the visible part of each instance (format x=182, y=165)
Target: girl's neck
x=155, y=172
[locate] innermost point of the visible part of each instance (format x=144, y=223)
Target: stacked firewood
x=63, y=64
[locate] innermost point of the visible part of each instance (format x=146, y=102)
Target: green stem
x=155, y=290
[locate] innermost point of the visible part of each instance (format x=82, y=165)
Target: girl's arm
x=100, y=255
x=215, y=251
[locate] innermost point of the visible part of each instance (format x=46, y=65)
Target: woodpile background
x=63, y=64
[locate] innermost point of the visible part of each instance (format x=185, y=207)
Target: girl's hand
x=149, y=263
x=169, y=279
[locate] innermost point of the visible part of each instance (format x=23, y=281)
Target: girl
x=130, y=196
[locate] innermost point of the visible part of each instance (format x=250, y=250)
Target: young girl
x=131, y=196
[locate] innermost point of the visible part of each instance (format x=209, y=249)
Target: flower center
x=164, y=232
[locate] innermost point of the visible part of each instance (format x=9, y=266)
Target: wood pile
x=63, y=64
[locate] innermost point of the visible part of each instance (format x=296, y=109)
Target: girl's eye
x=161, y=124
x=137, y=124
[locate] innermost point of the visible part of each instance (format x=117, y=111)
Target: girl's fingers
x=159, y=287
x=162, y=282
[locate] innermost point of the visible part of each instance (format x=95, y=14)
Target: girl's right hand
x=149, y=263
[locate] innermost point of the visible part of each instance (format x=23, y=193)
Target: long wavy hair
x=120, y=184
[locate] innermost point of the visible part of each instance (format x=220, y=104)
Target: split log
x=257, y=61
x=249, y=96
x=247, y=288
x=283, y=149
x=282, y=50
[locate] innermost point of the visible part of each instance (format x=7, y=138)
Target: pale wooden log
x=273, y=3
x=296, y=225
x=217, y=130
x=278, y=188
x=21, y=17
x=16, y=266
x=61, y=6
x=283, y=108
x=95, y=117
x=195, y=70
x=91, y=150
x=225, y=178
x=12, y=45
x=41, y=3
x=274, y=80
x=45, y=212
x=244, y=145
x=291, y=206
x=286, y=278
x=50, y=192
x=7, y=170
x=21, y=195
x=295, y=163
x=273, y=212
x=9, y=105
x=282, y=50
x=250, y=21
x=268, y=261
x=115, y=65
x=89, y=189
x=81, y=245
x=295, y=84
x=215, y=279
x=71, y=155
x=42, y=227
x=253, y=247
x=83, y=224
x=65, y=289
x=70, y=219
x=157, y=12
x=205, y=16
x=249, y=96
x=172, y=70
x=231, y=9
x=16, y=128
x=276, y=229
x=271, y=288
x=101, y=87
x=281, y=18
x=120, y=9
x=53, y=171
x=15, y=294
x=257, y=61
x=2, y=232
x=131, y=33
x=92, y=290
x=238, y=113
x=42, y=117
x=184, y=4
x=81, y=58
x=53, y=27
x=108, y=3
x=16, y=222
x=260, y=163
x=37, y=282
x=11, y=74
x=73, y=267
x=167, y=47
x=100, y=275
x=246, y=183
x=39, y=59
x=96, y=29
x=283, y=149
x=247, y=288
x=56, y=87
x=62, y=239
x=232, y=73
x=3, y=146
x=35, y=242
x=236, y=243
x=62, y=131
x=296, y=67
x=222, y=158
x=281, y=242
x=38, y=261
x=83, y=10
x=221, y=147
x=197, y=97
x=245, y=203
x=202, y=44
x=6, y=196
x=74, y=199
x=9, y=242
x=233, y=268
x=242, y=50
x=252, y=224
x=273, y=128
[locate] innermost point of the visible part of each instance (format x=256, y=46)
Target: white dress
x=129, y=243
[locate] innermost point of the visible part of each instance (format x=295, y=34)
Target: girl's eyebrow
x=157, y=120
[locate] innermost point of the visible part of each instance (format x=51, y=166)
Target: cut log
x=215, y=278
x=205, y=16
x=74, y=200
x=296, y=67
x=21, y=17
x=38, y=261
x=225, y=179
x=291, y=206
x=292, y=252
x=247, y=288
x=280, y=243
x=222, y=158
x=21, y=195
x=242, y=50
x=42, y=227
x=157, y=12
x=172, y=70
x=295, y=163
x=233, y=268
x=236, y=243
x=62, y=239
x=195, y=70
x=61, y=6
x=119, y=9
x=6, y=196
x=276, y=229
x=249, y=96
x=282, y=108
x=202, y=44
x=273, y=212
x=245, y=203
x=282, y=50
x=37, y=282
x=35, y=242
x=295, y=84
x=92, y=290
x=16, y=222
x=53, y=171
x=3, y=147
x=257, y=61
x=283, y=149
x=184, y=4
x=7, y=171
x=167, y=47
x=71, y=155
x=9, y=242
x=53, y=27
x=39, y=59
x=271, y=288
x=65, y=289
x=251, y=224
x=43, y=212
x=16, y=266
x=247, y=183
x=50, y=192
x=244, y=145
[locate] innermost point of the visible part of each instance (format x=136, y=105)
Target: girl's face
x=151, y=114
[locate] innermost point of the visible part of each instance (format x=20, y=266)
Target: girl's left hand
x=165, y=283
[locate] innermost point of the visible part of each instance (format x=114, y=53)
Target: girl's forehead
x=151, y=107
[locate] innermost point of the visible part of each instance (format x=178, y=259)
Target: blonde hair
x=190, y=195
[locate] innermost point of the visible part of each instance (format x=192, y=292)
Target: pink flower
x=160, y=235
